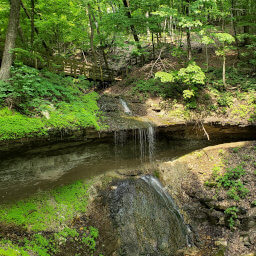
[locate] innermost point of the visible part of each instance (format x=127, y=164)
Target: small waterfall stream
x=170, y=204
x=125, y=106
x=143, y=141
x=147, y=220
x=142, y=137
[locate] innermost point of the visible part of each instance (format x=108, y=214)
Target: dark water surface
x=27, y=173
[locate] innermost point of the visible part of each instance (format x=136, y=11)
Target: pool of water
x=24, y=174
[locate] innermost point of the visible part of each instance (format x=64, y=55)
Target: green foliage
x=188, y=94
x=47, y=210
x=47, y=217
x=186, y=81
x=224, y=38
x=47, y=101
x=235, y=150
x=9, y=249
x=225, y=100
x=40, y=245
x=90, y=239
x=231, y=213
x=230, y=181
x=147, y=87
x=191, y=75
x=207, y=40
x=14, y=125
x=165, y=77
x=29, y=89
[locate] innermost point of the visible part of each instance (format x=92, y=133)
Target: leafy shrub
x=230, y=181
x=147, y=87
x=225, y=100
x=186, y=81
x=28, y=88
x=231, y=212
x=90, y=240
x=192, y=75
x=43, y=100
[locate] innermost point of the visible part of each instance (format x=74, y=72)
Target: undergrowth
x=46, y=219
x=233, y=182
x=33, y=103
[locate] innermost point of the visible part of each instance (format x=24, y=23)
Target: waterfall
x=144, y=137
x=146, y=218
x=170, y=204
x=143, y=140
x=126, y=108
x=151, y=142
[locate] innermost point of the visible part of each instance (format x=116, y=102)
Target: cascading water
x=143, y=141
x=151, y=142
x=147, y=220
x=125, y=106
x=144, y=137
x=154, y=183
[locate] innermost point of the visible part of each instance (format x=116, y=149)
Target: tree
x=224, y=40
x=10, y=40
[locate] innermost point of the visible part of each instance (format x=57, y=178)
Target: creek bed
x=44, y=168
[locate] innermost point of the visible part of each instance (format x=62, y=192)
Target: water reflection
x=24, y=175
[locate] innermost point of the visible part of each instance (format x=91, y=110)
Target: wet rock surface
x=146, y=222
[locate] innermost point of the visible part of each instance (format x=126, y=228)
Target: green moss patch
x=45, y=222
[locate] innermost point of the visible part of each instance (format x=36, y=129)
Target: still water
x=24, y=174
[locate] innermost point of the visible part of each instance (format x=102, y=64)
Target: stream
x=34, y=171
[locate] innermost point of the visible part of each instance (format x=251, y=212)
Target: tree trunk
x=92, y=42
x=11, y=35
x=48, y=50
x=207, y=57
x=134, y=32
x=189, y=48
x=189, y=44
x=102, y=46
x=224, y=70
x=32, y=23
x=234, y=27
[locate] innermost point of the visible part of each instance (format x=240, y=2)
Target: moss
x=49, y=216
x=47, y=210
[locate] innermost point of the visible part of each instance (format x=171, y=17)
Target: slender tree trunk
x=246, y=31
x=32, y=22
x=223, y=17
x=92, y=41
x=48, y=50
x=189, y=48
x=153, y=45
x=234, y=27
x=148, y=30
x=101, y=41
x=224, y=70
x=189, y=44
x=207, y=57
x=11, y=35
x=21, y=35
x=134, y=32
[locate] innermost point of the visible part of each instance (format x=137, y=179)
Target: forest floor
x=234, y=103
